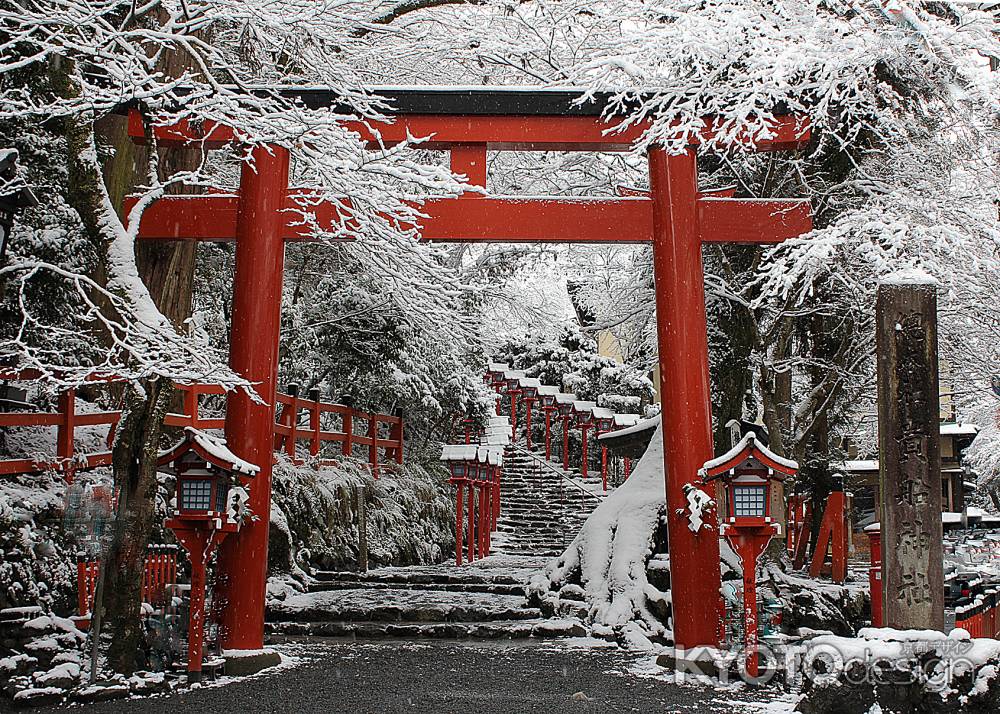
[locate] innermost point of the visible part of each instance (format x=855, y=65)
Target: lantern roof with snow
x=491, y=454
x=603, y=413
x=548, y=390
x=212, y=449
x=565, y=398
x=749, y=453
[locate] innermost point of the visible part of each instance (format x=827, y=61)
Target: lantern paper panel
x=749, y=501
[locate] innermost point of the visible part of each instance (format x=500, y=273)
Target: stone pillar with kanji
x=909, y=452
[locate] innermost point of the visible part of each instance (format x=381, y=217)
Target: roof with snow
x=565, y=398
x=498, y=367
x=861, y=465
x=583, y=406
x=548, y=390
x=749, y=447
x=530, y=382
x=626, y=420
x=212, y=449
x=959, y=429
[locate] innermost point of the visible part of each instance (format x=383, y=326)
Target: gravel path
x=345, y=677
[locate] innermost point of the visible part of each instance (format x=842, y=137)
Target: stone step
x=400, y=605
x=491, y=630
x=492, y=588
x=429, y=576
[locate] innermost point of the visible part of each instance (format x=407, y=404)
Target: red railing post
x=397, y=436
x=604, y=467
x=585, y=456
x=293, y=420
x=172, y=565
x=64, y=433
x=314, y=421
x=347, y=424
x=482, y=521
x=373, y=447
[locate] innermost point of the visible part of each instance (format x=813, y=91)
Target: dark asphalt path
x=389, y=676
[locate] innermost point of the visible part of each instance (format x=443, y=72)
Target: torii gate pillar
x=253, y=354
x=684, y=384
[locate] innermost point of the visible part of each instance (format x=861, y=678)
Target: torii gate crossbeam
x=675, y=219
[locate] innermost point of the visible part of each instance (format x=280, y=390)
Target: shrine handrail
x=66, y=420
x=289, y=431
x=559, y=472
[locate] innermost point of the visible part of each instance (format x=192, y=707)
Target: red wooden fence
x=160, y=571
x=378, y=431
x=287, y=431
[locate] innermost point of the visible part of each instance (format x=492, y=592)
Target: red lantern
x=206, y=512
x=748, y=471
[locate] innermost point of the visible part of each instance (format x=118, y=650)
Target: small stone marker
x=909, y=452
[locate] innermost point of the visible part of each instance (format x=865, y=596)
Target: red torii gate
x=675, y=218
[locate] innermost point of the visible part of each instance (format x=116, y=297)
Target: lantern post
x=472, y=469
x=456, y=456
x=529, y=391
x=584, y=415
x=747, y=473
x=513, y=384
x=495, y=378
x=604, y=419
x=565, y=405
x=547, y=397
x=207, y=509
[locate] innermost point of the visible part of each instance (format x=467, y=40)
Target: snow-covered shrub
x=37, y=564
x=314, y=517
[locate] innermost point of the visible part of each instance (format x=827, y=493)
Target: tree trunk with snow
x=134, y=460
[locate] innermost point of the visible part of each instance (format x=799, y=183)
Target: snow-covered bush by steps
x=36, y=560
x=314, y=518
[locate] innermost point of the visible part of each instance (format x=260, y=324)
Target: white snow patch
x=909, y=276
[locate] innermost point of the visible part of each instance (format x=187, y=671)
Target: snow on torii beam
x=675, y=218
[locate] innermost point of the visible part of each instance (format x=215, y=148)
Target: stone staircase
x=482, y=600
x=542, y=507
